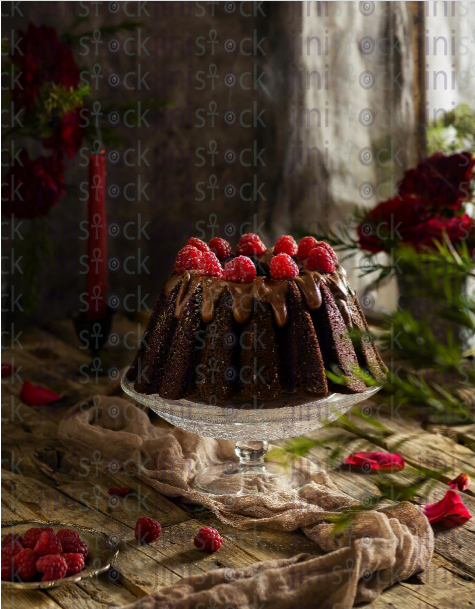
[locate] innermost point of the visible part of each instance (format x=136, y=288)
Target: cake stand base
x=251, y=475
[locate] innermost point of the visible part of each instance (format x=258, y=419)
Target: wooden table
x=37, y=484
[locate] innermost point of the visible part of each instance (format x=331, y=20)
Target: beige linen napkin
x=386, y=546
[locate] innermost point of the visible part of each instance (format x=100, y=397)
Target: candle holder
x=93, y=331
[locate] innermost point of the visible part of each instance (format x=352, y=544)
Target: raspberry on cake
x=200, y=245
x=210, y=326
x=286, y=245
x=187, y=259
x=209, y=265
x=283, y=267
x=330, y=250
x=306, y=244
x=221, y=248
x=240, y=270
x=250, y=245
x=320, y=260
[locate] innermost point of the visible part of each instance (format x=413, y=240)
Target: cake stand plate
x=251, y=424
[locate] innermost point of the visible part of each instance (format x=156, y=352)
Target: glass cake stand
x=252, y=425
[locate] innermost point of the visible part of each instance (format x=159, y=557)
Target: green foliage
x=453, y=132
x=422, y=359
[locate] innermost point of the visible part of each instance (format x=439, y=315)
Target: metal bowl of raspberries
x=38, y=555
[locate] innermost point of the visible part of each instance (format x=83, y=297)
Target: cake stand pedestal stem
x=251, y=454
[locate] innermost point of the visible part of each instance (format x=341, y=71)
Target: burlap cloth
x=385, y=546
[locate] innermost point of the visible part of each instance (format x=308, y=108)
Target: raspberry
x=120, y=492
x=71, y=542
x=330, y=250
x=250, y=245
x=200, y=245
x=286, y=245
x=24, y=565
x=320, y=260
x=32, y=535
x=220, y=247
x=187, y=259
x=208, y=540
x=147, y=530
x=52, y=567
x=7, y=569
x=74, y=562
x=10, y=550
x=209, y=265
x=10, y=538
x=283, y=267
x=240, y=270
x=306, y=244
x=48, y=544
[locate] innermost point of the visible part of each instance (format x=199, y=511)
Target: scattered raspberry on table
x=147, y=530
x=208, y=540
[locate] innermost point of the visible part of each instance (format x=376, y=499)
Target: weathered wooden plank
x=23, y=600
x=143, y=501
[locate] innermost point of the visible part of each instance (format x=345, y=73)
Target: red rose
x=406, y=220
x=389, y=222
x=32, y=187
x=41, y=57
x=67, y=136
x=440, y=181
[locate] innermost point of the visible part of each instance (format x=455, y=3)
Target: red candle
x=96, y=282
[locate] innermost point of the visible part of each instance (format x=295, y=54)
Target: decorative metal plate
x=102, y=553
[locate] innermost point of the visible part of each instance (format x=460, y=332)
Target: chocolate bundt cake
x=255, y=325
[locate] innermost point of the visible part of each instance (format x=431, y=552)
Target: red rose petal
x=121, y=492
x=376, y=461
x=34, y=395
x=450, y=510
x=461, y=482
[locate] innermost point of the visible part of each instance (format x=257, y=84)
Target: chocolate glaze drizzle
x=271, y=291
